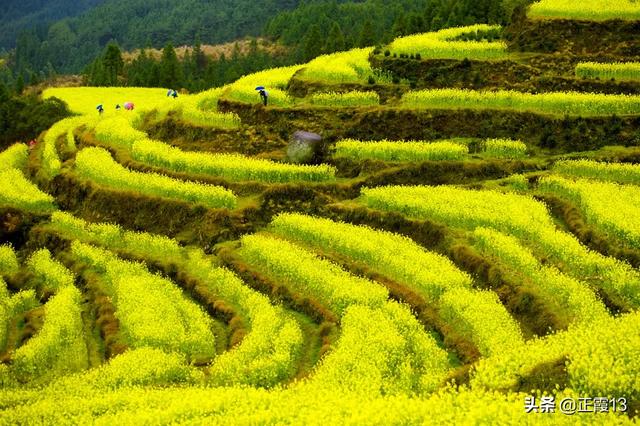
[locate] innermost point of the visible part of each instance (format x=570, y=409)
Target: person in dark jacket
x=264, y=96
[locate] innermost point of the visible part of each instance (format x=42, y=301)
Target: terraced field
x=453, y=254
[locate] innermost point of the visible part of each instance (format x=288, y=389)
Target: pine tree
x=113, y=64
x=335, y=41
x=367, y=35
x=20, y=84
x=416, y=24
x=399, y=28
x=200, y=59
x=4, y=92
x=312, y=44
x=170, y=70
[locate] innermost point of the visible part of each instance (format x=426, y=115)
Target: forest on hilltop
x=310, y=28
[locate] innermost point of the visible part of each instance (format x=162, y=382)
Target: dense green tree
x=200, y=59
x=169, y=68
x=367, y=35
x=113, y=64
x=335, y=40
x=19, y=84
x=24, y=117
x=312, y=44
x=399, y=28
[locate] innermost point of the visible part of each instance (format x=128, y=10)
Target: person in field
x=172, y=93
x=263, y=94
x=100, y=109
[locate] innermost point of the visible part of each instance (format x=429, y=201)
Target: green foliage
x=170, y=71
x=233, y=167
x=14, y=157
x=97, y=165
x=71, y=44
x=611, y=207
x=627, y=71
x=349, y=99
x=610, y=172
x=19, y=193
x=59, y=347
x=266, y=355
x=151, y=310
x=520, y=216
x=587, y=10
x=505, y=148
x=558, y=103
x=307, y=274
x=8, y=260
x=447, y=44
x=401, y=150
x=24, y=118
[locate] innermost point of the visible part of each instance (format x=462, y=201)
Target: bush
x=387, y=53
x=371, y=80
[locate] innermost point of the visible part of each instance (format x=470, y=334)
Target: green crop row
x=234, y=167
x=587, y=10
x=611, y=172
x=97, y=165
x=382, y=351
x=150, y=309
x=18, y=192
x=432, y=276
x=518, y=215
x=268, y=352
x=556, y=103
x=14, y=157
x=445, y=44
x=309, y=275
x=611, y=207
x=504, y=148
x=59, y=347
x=629, y=71
x=557, y=289
x=349, y=99
x=400, y=151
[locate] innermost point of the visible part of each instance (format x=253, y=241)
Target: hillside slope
x=16, y=15
x=137, y=23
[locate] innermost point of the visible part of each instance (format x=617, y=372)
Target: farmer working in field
x=263, y=94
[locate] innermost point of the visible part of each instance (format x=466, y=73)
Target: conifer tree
x=112, y=64
x=335, y=41
x=312, y=44
x=169, y=68
x=367, y=35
